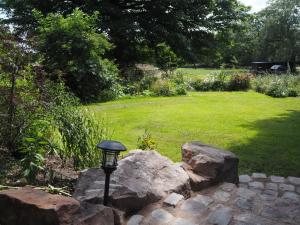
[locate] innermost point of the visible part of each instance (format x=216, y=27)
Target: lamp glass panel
x=103, y=158
x=110, y=159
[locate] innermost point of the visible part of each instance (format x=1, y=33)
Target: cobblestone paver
x=257, y=200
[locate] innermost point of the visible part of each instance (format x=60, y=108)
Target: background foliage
x=136, y=27
x=40, y=117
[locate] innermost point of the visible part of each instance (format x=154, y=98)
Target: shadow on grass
x=276, y=147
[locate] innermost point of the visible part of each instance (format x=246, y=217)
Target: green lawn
x=263, y=131
x=194, y=73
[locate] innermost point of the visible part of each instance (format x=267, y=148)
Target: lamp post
x=110, y=151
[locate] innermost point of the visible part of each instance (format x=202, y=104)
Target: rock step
x=173, y=199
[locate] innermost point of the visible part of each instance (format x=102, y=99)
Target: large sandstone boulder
x=142, y=177
x=206, y=161
x=28, y=206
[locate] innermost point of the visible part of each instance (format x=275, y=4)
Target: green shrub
x=77, y=133
x=163, y=87
x=34, y=146
x=114, y=92
x=132, y=74
x=146, y=142
x=277, y=89
x=181, y=89
x=293, y=92
x=178, y=78
x=260, y=84
x=18, y=116
x=165, y=58
x=27, y=134
x=277, y=85
x=181, y=85
x=74, y=50
x=47, y=120
x=216, y=82
x=151, y=85
x=147, y=93
x=41, y=117
x=197, y=84
x=147, y=82
x=239, y=82
x=129, y=88
x=213, y=83
x=222, y=81
x=138, y=87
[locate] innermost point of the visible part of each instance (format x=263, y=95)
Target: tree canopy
x=280, y=32
x=209, y=32
x=186, y=26
x=272, y=34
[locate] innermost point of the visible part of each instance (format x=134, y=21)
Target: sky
x=2, y=14
x=256, y=5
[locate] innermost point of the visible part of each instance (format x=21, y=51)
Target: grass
x=194, y=73
x=263, y=131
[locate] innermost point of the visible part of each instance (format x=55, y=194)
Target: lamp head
x=110, y=151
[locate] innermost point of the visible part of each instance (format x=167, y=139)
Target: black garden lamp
x=110, y=153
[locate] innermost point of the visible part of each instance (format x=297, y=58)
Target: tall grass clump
x=47, y=121
x=75, y=131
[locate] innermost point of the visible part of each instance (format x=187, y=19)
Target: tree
x=186, y=26
x=166, y=59
x=270, y=35
x=74, y=52
x=14, y=57
x=280, y=34
x=240, y=45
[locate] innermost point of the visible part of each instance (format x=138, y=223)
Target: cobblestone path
x=258, y=200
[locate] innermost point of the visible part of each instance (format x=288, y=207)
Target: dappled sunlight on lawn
x=248, y=123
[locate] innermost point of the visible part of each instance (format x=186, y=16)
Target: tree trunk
x=11, y=112
x=292, y=63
